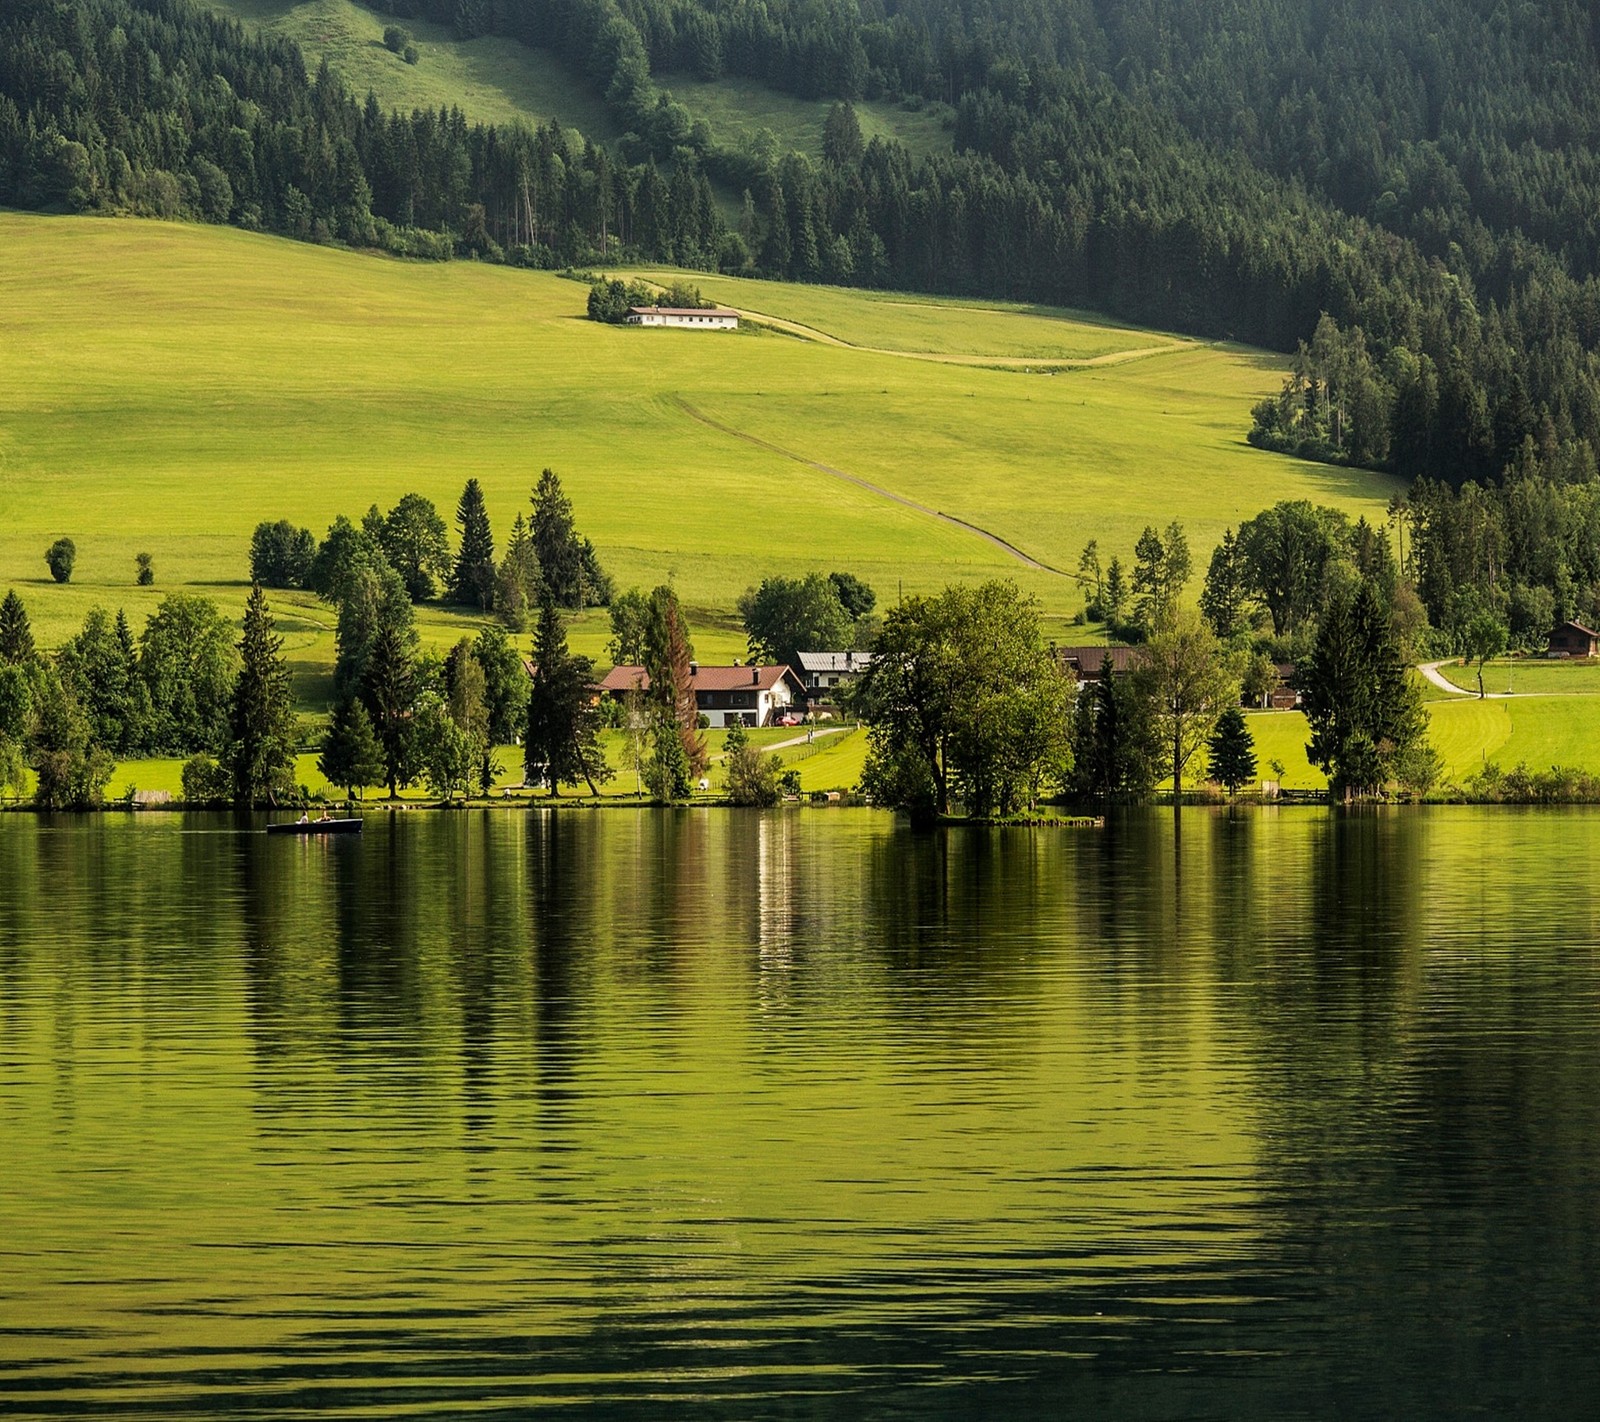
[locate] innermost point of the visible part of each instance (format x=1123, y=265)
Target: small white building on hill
x=708, y=318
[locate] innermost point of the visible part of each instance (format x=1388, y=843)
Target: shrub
x=205, y=781
x=395, y=38
x=146, y=566
x=61, y=556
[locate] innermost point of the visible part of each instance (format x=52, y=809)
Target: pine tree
x=555, y=541
x=1232, y=751
x=351, y=756
x=562, y=746
x=670, y=665
x=16, y=636
x=472, y=580
x=389, y=690
x=517, y=581
x=667, y=774
x=261, y=754
x=1363, y=711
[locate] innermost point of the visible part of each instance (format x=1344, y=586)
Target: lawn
x=944, y=326
x=491, y=80
x=1528, y=674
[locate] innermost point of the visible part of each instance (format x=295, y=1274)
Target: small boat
x=351, y=826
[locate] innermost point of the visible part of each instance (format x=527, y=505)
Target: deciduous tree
x=1188, y=683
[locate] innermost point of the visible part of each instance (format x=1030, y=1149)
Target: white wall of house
x=707, y=321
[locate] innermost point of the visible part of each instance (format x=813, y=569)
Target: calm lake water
x=801, y=1115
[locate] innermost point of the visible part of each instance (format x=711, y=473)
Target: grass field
x=490, y=80
x=497, y=80
x=1528, y=674
x=168, y=386
x=737, y=109
x=944, y=326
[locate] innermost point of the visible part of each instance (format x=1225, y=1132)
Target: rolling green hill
x=173, y=385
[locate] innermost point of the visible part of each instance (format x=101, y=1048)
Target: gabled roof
x=620, y=679
x=1578, y=627
x=834, y=661
x=1087, y=661
x=681, y=311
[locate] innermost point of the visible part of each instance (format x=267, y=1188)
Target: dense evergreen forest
x=1407, y=193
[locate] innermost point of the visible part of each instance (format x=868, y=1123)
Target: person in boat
x=325, y=815
x=304, y=819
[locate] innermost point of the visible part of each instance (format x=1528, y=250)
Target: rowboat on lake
x=351, y=826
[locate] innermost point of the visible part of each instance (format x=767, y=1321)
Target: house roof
x=834, y=661
x=681, y=311
x=620, y=679
x=1577, y=627
x=1087, y=661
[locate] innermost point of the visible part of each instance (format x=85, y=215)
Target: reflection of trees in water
x=1428, y=1125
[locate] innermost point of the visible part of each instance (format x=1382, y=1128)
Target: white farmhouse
x=708, y=318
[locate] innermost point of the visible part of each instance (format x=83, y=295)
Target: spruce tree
x=1232, y=751
x=16, y=636
x=389, y=689
x=472, y=580
x=517, y=581
x=262, y=719
x=351, y=756
x=1363, y=710
x=555, y=541
x=562, y=745
x=670, y=665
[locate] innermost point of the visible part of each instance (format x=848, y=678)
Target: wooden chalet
x=1573, y=639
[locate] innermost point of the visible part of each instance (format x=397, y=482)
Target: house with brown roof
x=756, y=696
x=1573, y=639
x=1085, y=662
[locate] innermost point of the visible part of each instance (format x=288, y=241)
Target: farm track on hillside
x=989, y=362
x=1025, y=559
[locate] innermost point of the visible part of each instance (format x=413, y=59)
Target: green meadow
x=490, y=80
x=947, y=327
x=169, y=386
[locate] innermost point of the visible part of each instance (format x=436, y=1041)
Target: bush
x=61, y=556
x=395, y=38
x=205, y=781
x=72, y=779
x=146, y=567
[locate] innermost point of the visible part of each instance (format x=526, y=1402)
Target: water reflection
x=799, y=1114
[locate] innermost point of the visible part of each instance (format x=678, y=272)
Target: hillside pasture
x=490, y=79
x=171, y=385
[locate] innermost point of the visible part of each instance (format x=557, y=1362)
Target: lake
x=801, y=1114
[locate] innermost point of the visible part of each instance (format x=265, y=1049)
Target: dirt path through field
x=871, y=488
x=811, y=333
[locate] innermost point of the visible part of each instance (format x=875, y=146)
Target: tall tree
x=472, y=580
x=261, y=754
x=562, y=745
x=188, y=660
x=1188, y=683
x=416, y=542
x=1223, y=597
x=1362, y=709
x=16, y=635
x=555, y=541
x=389, y=689
x=1113, y=742
x=669, y=662
x=786, y=616
x=964, y=697
x=516, y=586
